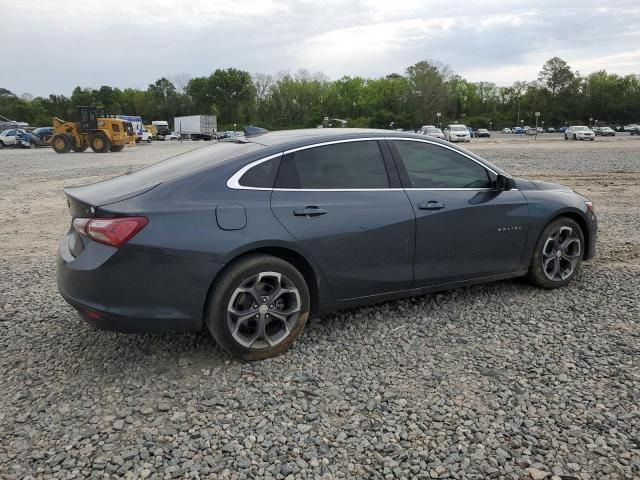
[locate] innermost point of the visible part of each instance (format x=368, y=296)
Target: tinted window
x=339, y=166
x=432, y=166
x=262, y=175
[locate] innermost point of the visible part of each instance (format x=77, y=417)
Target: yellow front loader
x=94, y=129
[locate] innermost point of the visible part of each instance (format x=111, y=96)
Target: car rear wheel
x=258, y=308
x=557, y=255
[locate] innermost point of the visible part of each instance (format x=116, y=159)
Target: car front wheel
x=259, y=307
x=557, y=255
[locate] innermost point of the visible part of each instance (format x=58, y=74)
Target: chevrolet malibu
x=247, y=238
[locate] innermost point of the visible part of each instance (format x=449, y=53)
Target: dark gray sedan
x=247, y=238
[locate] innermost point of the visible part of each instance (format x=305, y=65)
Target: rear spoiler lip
x=79, y=207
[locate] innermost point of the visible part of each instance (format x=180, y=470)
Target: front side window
x=433, y=166
x=349, y=165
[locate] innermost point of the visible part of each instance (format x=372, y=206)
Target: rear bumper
x=132, y=291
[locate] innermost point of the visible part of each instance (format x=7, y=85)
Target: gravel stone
x=498, y=380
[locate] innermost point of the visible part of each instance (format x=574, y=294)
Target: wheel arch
x=577, y=217
x=295, y=258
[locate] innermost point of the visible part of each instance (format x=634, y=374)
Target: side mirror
x=504, y=182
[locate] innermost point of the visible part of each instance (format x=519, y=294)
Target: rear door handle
x=309, y=212
x=431, y=205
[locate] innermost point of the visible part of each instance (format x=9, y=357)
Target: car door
x=465, y=228
x=339, y=201
x=10, y=137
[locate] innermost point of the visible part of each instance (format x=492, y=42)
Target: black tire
x=537, y=274
x=149, y=140
x=79, y=148
x=575, y=137
x=592, y=139
x=225, y=291
x=99, y=142
x=2, y=145
x=565, y=137
x=116, y=148
x=61, y=143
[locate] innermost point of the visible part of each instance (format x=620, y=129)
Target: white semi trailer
x=196, y=127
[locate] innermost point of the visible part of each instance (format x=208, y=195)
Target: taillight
x=115, y=231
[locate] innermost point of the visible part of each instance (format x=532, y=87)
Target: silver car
x=433, y=132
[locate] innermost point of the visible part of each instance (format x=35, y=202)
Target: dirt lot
x=494, y=381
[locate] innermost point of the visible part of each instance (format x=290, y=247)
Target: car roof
x=292, y=138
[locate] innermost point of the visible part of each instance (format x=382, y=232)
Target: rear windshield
x=191, y=161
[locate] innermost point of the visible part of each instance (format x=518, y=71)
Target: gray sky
x=59, y=44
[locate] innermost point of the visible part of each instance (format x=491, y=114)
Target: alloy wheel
x=263, y=310
x=561, y=254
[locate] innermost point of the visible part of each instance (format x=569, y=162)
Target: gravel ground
x=495, y=381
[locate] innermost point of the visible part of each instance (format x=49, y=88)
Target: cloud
x=64, y=43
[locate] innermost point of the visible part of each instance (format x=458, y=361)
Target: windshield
x=433, y=130
x=458, y=128
x=580, y=129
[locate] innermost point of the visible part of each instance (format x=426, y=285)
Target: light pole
x=234, y=127
x=590, y=120
x=490, y=123
x=522, y=126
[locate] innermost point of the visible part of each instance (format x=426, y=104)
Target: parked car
x=531, y=131
x=29, y=140
x=247, y=239
x=8, y=137
x=483, y=132
x=551, y=130
x=540, y=130
x=45, y=133
x=635, y=130
x=518, y=130
x=457, y=133
x=506, y=130
x=472, y=132
x=563, y=129
x=579, y=132
x=432, y=132
x=604, y=131
x=172, y=136
x=630, y=127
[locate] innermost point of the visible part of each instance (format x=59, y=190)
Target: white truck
x=136, y=122
x=196, y=127
x=162, y=129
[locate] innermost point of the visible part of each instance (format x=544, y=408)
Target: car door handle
x=309, y=212
x=431, y=205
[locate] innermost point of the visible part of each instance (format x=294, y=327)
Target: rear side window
x=433, y=166
x=349, y=165
x=262, y=175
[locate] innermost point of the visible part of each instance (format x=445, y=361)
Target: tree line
x=304, y=99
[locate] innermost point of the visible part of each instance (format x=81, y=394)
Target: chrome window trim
x=234, y=181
